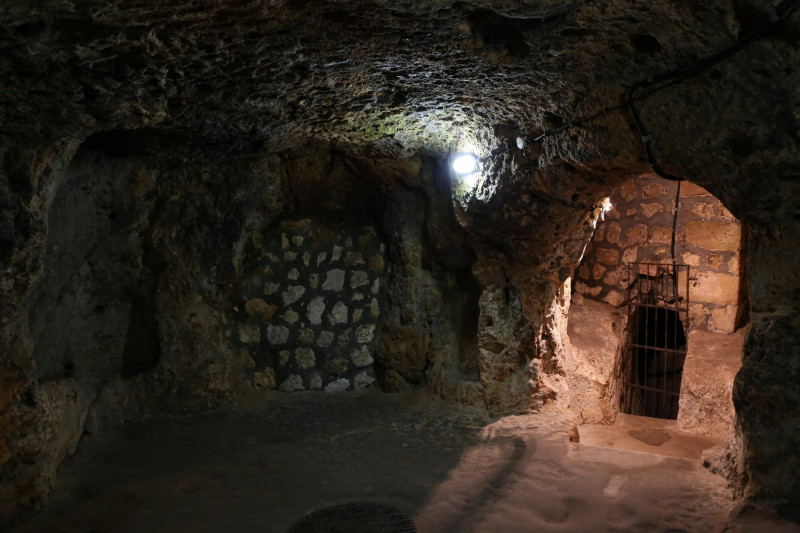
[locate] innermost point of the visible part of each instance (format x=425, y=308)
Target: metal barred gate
x=652, y=366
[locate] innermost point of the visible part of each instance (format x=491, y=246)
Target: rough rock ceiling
x=396, y=75
x=391, y=79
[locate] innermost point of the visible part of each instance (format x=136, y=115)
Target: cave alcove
x=674, y=329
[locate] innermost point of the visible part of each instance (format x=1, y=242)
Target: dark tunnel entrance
x=656, y=350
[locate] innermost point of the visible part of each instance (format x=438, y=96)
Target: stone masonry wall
x=639, y=228
x=307, y=318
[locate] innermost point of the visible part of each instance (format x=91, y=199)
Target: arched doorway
x=671, y=335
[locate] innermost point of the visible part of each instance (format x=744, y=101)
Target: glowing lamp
x=607, y=206
x=465, y=164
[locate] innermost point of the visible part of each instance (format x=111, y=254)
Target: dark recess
x=646, y=44
x=115, y=144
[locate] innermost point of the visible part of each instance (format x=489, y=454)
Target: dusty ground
x=454, y=469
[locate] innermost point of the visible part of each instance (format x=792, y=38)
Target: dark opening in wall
x=115, y=144
x=654, y=366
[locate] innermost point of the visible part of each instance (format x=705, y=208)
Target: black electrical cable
x=787, y=8
x=675, y=218
x=671, y=77
x=672, y=249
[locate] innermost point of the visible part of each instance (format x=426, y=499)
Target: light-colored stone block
x=592, y=349
x=354, y=258
x=714, y=261
x=733, y=264
x=358, y=279
x=271, y=288
x=704, y=209
x=264, y=379
x=689, y=258
x=340, y=385
x=630, y=255
x=712, y=361
x=716, y=288
x=613, y=232
x=654, y=190
x=325, y=339
x=315, y=309
x=277, y=335
x=256, y=308
x=338, y=314
x=723, y=319
x=651, y=209
x=304, y=357
x=585, y=289
x=628, y=190
x=614, y=298
x=306, y=336
x=292, y=294
x=334, y=280
x=615, y=277
x=609, y=256
x=375, y=263
x=661, y=234
x=292, y=383
x=713, y=235
x=249, y=334
x=365, y=333
x=361, y=357
x=636, y=234
x=290, y=316
x=362, y=380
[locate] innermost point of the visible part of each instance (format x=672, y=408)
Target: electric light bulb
x=465, y=164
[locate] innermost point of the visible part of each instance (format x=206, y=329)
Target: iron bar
x=656, y=348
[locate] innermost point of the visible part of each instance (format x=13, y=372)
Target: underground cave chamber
x=328, y=296
x=205, y=204
x=366, y=286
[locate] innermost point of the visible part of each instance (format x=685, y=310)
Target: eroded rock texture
x=204, y=124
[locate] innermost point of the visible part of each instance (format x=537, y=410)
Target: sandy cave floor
x=452, y=468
